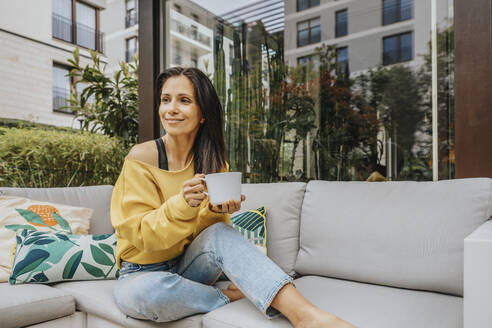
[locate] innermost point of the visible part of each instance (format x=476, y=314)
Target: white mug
x=223, y=187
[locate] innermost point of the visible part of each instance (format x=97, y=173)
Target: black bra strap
x=161, y=149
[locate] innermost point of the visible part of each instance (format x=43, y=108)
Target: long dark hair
x=209, y=146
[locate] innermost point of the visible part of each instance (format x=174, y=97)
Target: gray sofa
x=385, y=255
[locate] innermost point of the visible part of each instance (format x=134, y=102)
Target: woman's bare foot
x=233, y=293
x=316, y=318
x=232, y=286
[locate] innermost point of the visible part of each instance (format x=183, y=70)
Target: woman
x=172, y=243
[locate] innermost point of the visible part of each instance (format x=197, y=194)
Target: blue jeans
x=182, y=286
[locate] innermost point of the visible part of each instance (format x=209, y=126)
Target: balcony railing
x=62, y=27
x=60, y=97
x=191, y=33
x=131, y=19
x=85, y=36
x=129, y=54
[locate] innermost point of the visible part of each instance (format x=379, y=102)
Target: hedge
x=36, y=157
x=16, y=123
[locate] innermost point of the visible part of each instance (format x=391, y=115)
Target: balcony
x=131, y=19
x=191, y=33
x=84, y=36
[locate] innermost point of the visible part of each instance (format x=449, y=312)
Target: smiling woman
x=172, y=244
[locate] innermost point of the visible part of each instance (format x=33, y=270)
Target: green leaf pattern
x=46, y=257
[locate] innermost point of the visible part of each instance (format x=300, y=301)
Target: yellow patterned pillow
x=23, y=213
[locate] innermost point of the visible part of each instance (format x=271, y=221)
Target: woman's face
x=179, y=111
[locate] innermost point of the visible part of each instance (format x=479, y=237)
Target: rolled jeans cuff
x=267, y=309
x=222, y=296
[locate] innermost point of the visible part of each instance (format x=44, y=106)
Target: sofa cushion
x=97, y=299
x=252, y=226
x=45, y=257
x=363, y=305
x=283, y=204
x=404, y=234
x=96, y=197
x=19, y=213
x=29, y=304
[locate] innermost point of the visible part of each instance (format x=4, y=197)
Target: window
x=194, y=60
x=131, y=48
x=61, y=88
x=343, y=60
x=396, y=11
x=195, y=18
x=177, y=8
x=177, y=58
x=194, y=32
x=308, y=32
x=305, y=4
x=341, y=28
x=131, y=17
x=86, y=25
x=62, y=20
x=304, y=60
x=78, y=27
x=397, y=48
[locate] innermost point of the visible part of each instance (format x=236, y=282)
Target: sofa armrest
x=478, y=277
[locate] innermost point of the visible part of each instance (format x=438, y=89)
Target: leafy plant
x=106, y=105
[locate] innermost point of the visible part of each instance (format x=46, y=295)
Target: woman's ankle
x=233, y=294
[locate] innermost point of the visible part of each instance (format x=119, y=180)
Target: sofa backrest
x=96, y=197
x=283, y=203
x=403, y=234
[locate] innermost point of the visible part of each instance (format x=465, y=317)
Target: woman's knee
x=216, y=229
x=148, y=295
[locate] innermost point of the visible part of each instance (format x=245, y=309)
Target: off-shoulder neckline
x=159, y=169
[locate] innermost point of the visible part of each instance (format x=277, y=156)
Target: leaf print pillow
x=46, y=257
x=17, y=213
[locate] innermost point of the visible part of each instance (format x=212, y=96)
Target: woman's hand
x=193, y=190
x=227, y=207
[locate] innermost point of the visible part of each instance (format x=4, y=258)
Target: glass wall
x=324, y=89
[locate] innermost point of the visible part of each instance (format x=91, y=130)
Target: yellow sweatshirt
x=152, y=220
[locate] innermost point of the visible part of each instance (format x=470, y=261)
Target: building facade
x=120, y=25
x=37, y=39
x=367, y=33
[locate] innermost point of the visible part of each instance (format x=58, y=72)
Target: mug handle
x=203, y=179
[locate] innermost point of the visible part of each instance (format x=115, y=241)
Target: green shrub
x=48, y=158
x=16, y=123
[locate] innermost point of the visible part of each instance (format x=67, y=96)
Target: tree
x=106, y=105
x=301, y=118
x=445, y=98
x=347, y=134
x=397, y=94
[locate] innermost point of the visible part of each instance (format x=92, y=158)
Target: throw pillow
x=46, y=257
x=17, y=213
x=252, y=225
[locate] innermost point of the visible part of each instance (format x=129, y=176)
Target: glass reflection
x=301, y=104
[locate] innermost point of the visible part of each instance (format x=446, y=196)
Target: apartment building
x=36, y=40
x=190, y=37
x=367, y=33
x=189, y=34
x=120, y=26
